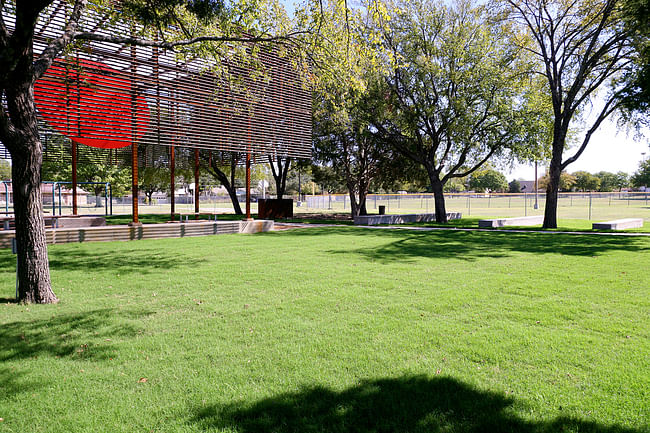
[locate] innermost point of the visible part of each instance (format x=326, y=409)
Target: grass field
x=334, y=330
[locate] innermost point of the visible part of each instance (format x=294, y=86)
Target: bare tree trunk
x=280, y=175
x=227, y=183
x=33, y=267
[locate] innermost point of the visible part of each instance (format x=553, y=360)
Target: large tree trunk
x=439, y=198
x=363, y=211
x=33, y=266
x=550, y=209
x=555, y=171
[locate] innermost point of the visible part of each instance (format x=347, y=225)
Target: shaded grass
x=333, y=329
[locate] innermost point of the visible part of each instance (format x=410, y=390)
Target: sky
x=610, y=149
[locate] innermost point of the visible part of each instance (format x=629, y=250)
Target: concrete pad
x=256, y=226
x=622, y=224
x=516, y=221
x=372, y=220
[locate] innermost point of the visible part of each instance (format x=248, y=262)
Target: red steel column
x=74, y=178
x=196, y=184
x=134, y=144
x=248, y=186
x=172, y=182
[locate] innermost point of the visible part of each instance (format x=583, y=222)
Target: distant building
x=528, y=186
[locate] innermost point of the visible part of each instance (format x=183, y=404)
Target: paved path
x=286, y=226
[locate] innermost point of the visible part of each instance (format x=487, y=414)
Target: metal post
x=248, y=186
x=589, y=205
x=60, y=213
x=106, y=198
x=196, y=184
x=134, y=145
x=110, y=191
x=74, y=178
x=375, y=201
x=525, y=205
x=536, y=187
x=6, y=197
x=53, y=198
x=172, y=182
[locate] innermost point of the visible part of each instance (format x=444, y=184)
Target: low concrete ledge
x=84, y=221
x=144, y=231
x=622, y=224
x=256, y=226
x=373, y=220
x=517, y=221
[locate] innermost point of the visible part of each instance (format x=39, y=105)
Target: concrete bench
x=622, y=224
x=517, y=221
x=373, y=220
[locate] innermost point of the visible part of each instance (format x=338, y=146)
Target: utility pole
x=536, y=203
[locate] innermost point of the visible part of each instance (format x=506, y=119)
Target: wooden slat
x=148, y=231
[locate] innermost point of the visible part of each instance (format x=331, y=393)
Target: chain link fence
x=575, y=205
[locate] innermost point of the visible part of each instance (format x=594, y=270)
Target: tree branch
x=85, y=36
x=57, y=45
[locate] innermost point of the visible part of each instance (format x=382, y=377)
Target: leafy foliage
x=642, y=176
x=514, y=186
x=488, y=180
x=454, y=94
x=586, y=181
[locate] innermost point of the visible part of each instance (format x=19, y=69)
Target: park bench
x=516, y=221
x=195, y=215
x=371, y=220
x=620, y=224
x=59, y=221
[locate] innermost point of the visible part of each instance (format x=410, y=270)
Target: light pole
x=536, y=203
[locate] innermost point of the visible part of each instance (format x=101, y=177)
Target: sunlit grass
x=333, y=329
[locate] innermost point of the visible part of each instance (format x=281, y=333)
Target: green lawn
x=334, y=330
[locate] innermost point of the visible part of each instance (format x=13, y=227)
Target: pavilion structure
x=147, y=105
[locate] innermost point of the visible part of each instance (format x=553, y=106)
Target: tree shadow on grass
x=400, y=405
x=407, y=245
x=122, y=260
x=88, y=335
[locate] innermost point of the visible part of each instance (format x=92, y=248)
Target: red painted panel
x=91, y=104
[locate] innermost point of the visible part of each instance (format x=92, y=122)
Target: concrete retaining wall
x=622, y=224
x=517, y=221
x=144, y=231
x=372, y=220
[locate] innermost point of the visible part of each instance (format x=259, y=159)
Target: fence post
x=388, y=207
x=344, y=200
x=589, y=205
x=375, y=201
x=525, y=204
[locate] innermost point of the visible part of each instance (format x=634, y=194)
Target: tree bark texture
x=26, y=150
x=439, y=199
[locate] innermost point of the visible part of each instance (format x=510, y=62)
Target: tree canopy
x=453, y=94
x=581, y=49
